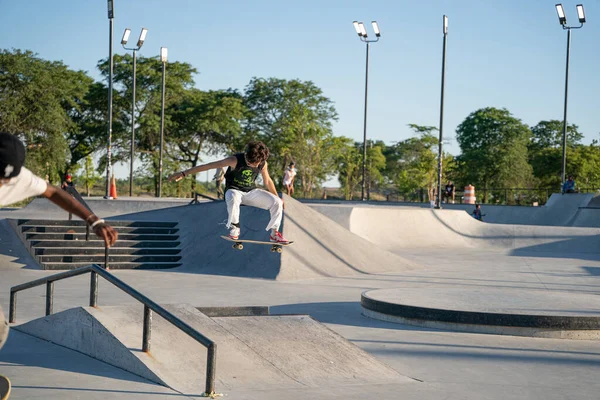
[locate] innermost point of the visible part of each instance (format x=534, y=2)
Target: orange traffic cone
x=113, y=188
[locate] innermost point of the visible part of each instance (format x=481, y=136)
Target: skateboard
x=4, y=387
x=238, y=244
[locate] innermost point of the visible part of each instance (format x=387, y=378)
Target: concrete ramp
x=263, y=352
x=397, y=229
x=321, y=248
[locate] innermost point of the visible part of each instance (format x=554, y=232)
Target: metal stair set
x=60, y=245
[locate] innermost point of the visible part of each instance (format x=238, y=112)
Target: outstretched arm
x=70, y=204
x=268, y=181
x=226, y=162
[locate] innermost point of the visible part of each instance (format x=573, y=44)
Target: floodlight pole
x=564, y=138
x=441, y=138
x=562, y=19
x=163, y=55
x=362, y=34
x=133, y=89
x=110, y=4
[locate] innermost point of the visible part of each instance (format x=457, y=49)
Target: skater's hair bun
x=256, y=151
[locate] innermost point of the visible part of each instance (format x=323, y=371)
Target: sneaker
x=234, y=232
x=277, y=237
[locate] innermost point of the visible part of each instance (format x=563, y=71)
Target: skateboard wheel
x=279, y=250
x=240, y=246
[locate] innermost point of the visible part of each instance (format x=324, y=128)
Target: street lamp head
x=561, y=14
x=376, y=28
x=142, y=37
x=125, y=36
x=111, y=10
x=363, y=31
x=445, y=24
x=580, y=13
x=163, y=54
x=357, y=28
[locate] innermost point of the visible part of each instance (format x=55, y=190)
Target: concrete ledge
x=490, y=311
x=245, y=311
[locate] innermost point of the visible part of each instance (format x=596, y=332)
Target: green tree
x=179, y=79
x=412, y=163
x=88, y=176
x=294, y=119
x=37, y=100
x=204, y=122
x=349, y=165
x=545, y=151
x=494, y=150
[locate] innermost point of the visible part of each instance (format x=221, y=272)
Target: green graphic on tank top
x=246, y=178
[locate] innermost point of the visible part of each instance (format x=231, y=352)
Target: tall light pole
x=111, y=15
x=562, y=19
x=362, y=34
x=163, y=59
x=135, y=49
x=440, y=145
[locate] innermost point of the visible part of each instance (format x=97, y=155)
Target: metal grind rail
x=149, y=307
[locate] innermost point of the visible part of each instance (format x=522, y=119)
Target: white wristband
x=97, y=222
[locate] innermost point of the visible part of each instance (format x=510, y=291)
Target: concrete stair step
x=116, y=258
x=81, y=236
x=115, y=223
x=49, y=251
x=100, y=243
x=82, y=229
x=116, y=265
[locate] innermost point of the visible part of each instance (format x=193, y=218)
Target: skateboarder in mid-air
x=240, y=188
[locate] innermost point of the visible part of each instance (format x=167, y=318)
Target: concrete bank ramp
x=252, y=352
x=560, y=210
x=321, y=248
x=396, y=229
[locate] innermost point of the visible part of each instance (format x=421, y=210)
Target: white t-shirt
x=289, y=174
x=25, y=185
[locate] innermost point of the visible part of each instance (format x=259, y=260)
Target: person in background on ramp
x=18, y=183
x=477, y=213
x=289, y=177
x=218, y=178
x=569, y=185
x=67, y=183
x=240, y=188
x=449, y=192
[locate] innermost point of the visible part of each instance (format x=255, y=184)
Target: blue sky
x=508, y=53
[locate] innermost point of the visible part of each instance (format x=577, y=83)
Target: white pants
x=256, y=198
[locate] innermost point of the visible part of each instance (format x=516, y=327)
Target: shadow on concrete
x=340, y=313
x=594, y=271
x=27, y=351
x=13, y=252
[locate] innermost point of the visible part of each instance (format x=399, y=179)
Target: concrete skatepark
x=317, y=341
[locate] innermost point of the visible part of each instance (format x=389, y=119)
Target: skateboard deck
x=4, y=387
x=238, y=244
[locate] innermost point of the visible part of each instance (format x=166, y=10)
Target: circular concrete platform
x=527, y=312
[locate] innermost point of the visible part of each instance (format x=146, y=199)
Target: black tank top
x=242, y=177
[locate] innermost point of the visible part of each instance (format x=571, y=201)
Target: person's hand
x=106, y=232
x=177, y=176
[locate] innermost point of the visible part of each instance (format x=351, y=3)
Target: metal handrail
x=196, y=195
x=149, y=306
x=73, y=192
